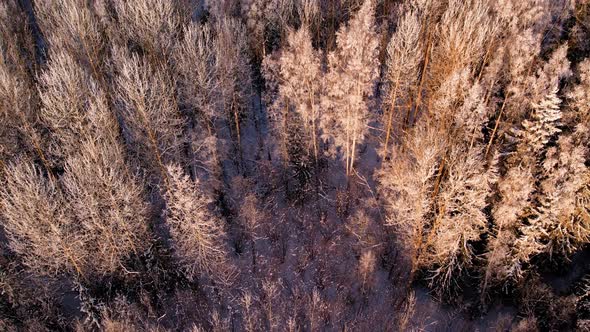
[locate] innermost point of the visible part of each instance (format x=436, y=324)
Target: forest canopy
x=294, y=165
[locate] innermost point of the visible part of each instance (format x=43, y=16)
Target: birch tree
x=406, y=184
x=151, y=25
x=197, y=233
x=233, y=73
x=36, y=222
x=403, y=61
x=350, y=83
x=105, y=199
x=198, y=86
x=19, y=132
x=460, y=219
x=71, y=26
x=301, y=84
x=65, y=89
x=148, y=107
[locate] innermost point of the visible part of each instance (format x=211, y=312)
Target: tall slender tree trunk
x=488, y=272
x=313, y=124
x=253, y=249
x=354, y=139
x=236, y=119
x=36, y=144
x=2, y=168
x=153, y=141
x=347, y=139
x=412, y=115
x=390, y=115
x=496, y=126
x=315, y=144
x=416, y=254
x=236, y=123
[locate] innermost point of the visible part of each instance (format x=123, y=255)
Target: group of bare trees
x=148, y=148
x=479, y=146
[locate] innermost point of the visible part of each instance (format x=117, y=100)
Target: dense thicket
x=294, y=165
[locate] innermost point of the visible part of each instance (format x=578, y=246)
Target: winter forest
x=294, y=165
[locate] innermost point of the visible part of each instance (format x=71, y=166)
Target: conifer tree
x=558, y=221
x=515, y=189
x=515, y=207
x=543, y=125
x=563, y=210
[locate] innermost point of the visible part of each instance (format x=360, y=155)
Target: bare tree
x=278, y=112
x=222, y=8
x=407, y=187
x=71, y=26
x=301, y=87
x=579, y=96
x=462, y=35
x=38, y=224
x=147, y=104
x=199, y=95
x=197, y=233
x=107, y=202
x=460, y=219
x=151, y=25
x=262, y=16
x=403, y=60
x=350, y=82
x=19, y=132
x=65, y=89
x=91, y=221
x=233, y=74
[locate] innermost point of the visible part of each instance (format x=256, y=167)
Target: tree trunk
x=347, y=139
x=496, y=127
x=390, y=117
x=412, y=115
